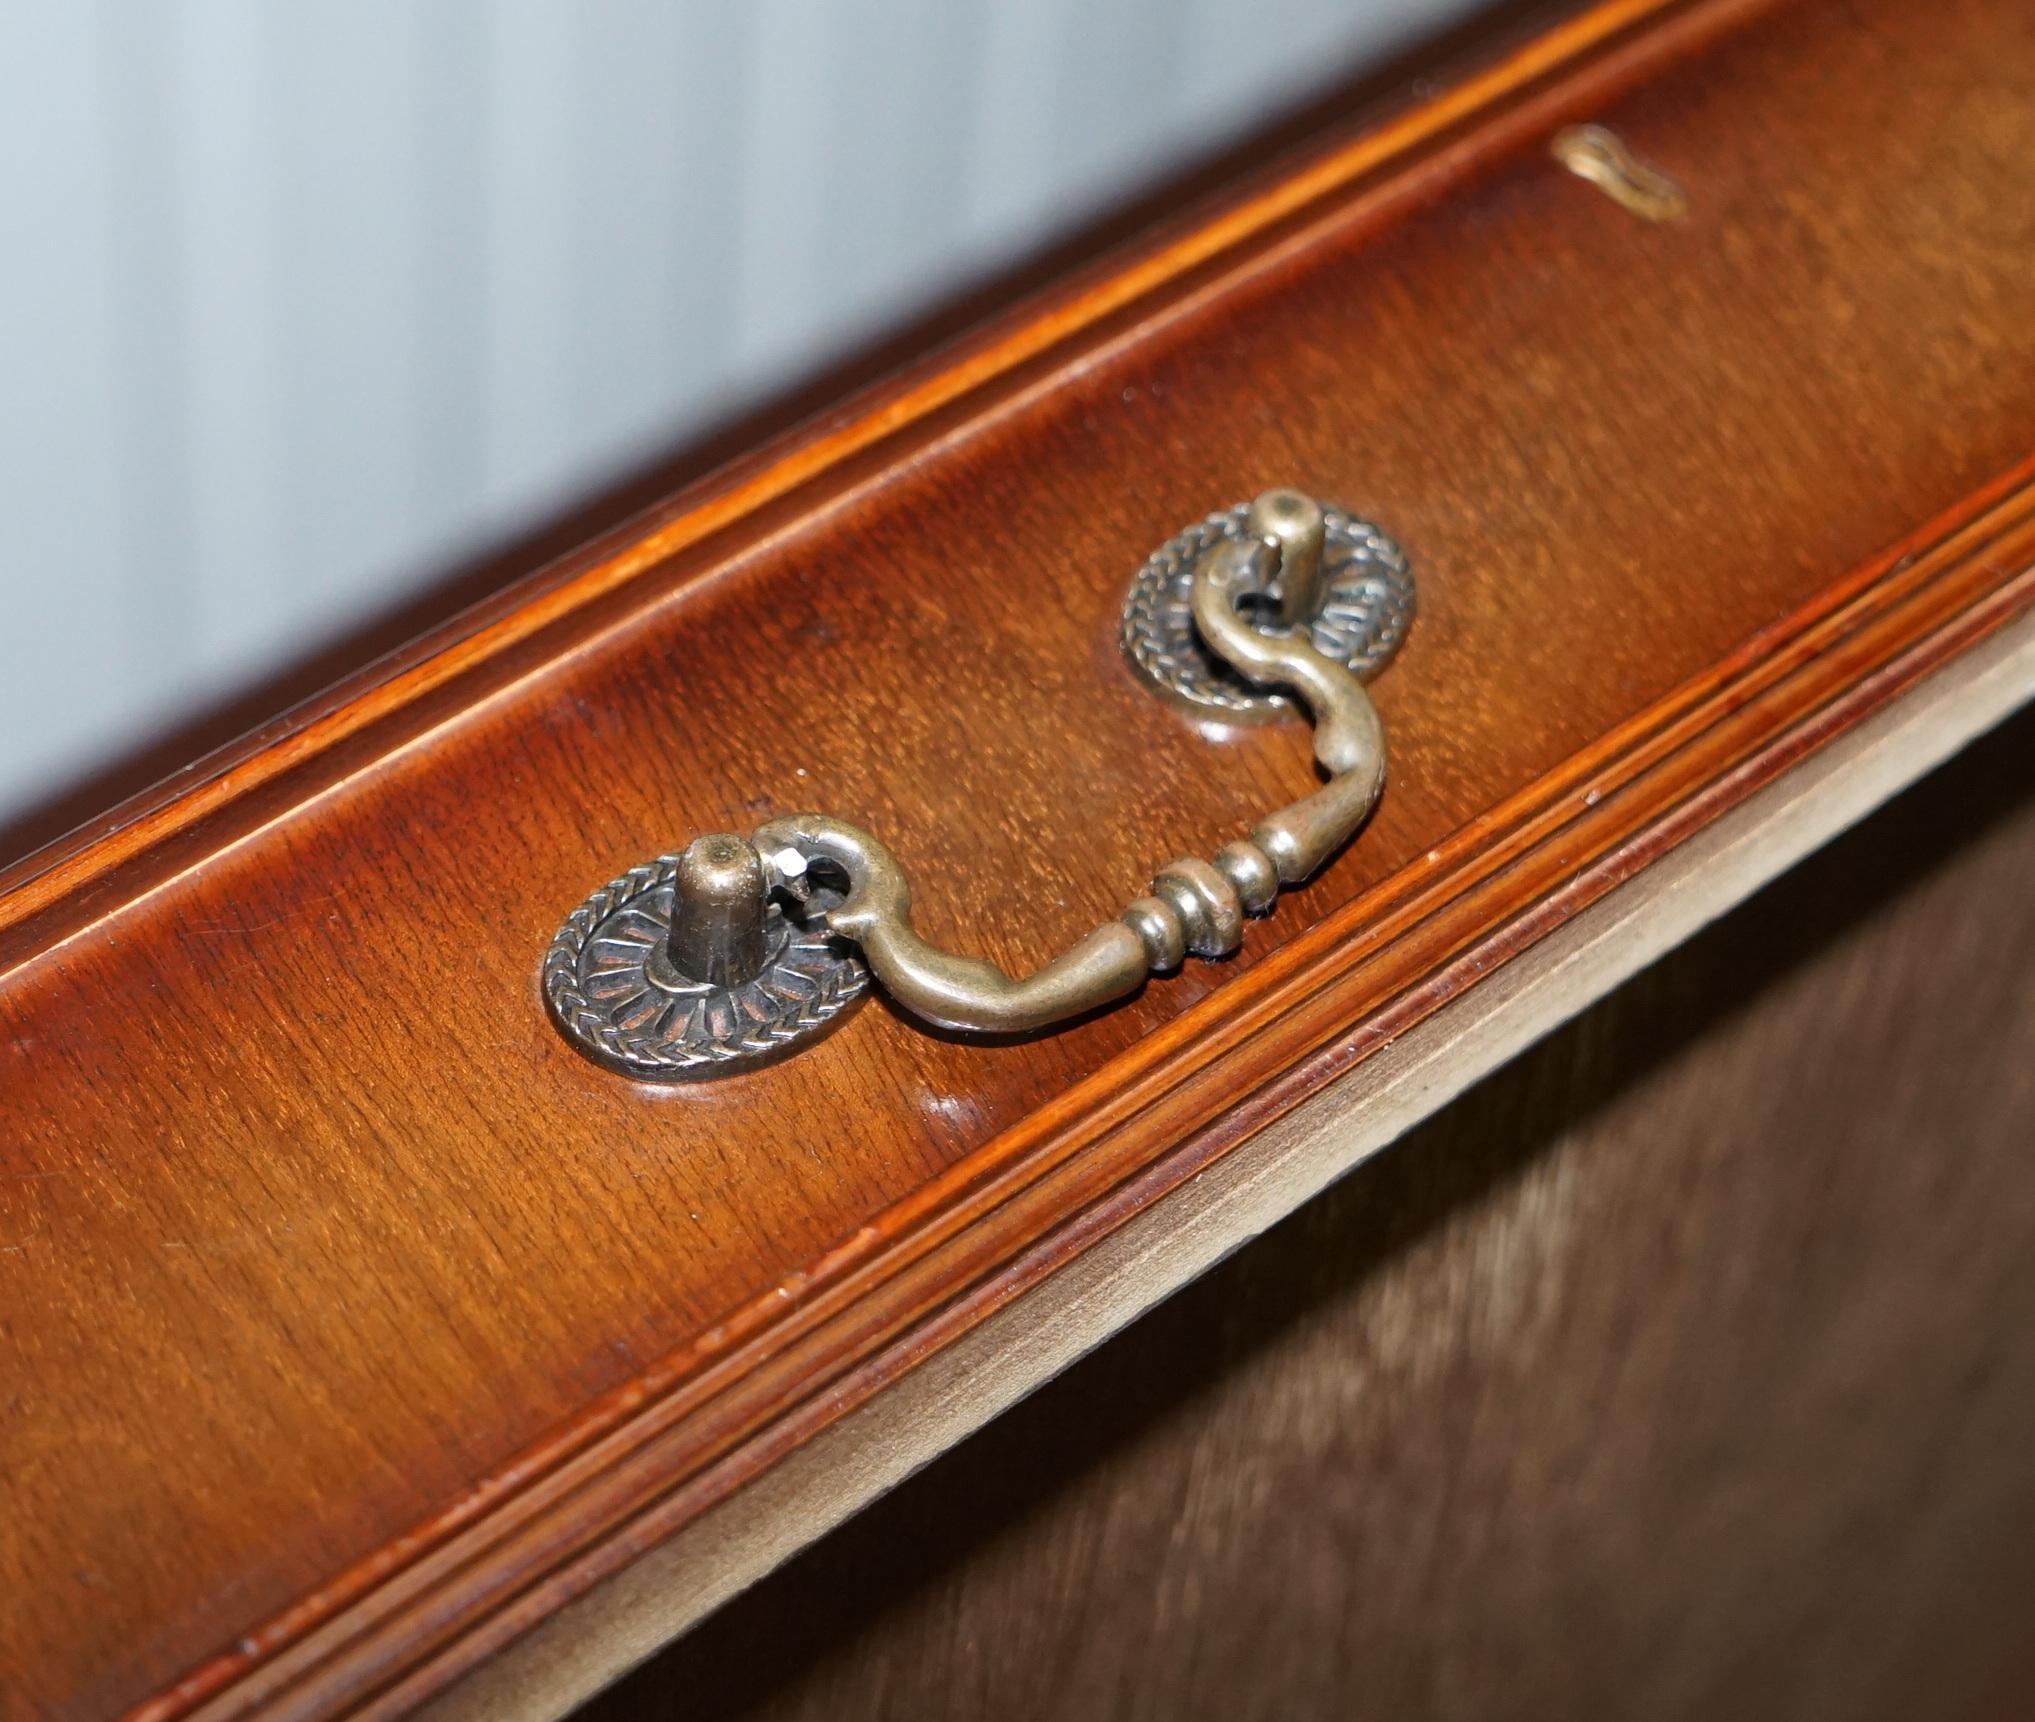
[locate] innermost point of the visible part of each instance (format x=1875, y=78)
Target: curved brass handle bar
x=1195, y=905
x=953, y=991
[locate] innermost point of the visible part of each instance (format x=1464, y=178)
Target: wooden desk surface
x=353, y=1323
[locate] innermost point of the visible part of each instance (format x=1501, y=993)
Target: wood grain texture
x=1678, y=1371
x=355, y=1324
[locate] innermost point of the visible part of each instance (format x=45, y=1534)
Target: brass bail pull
x=737, y=951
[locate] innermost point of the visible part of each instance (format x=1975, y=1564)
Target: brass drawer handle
x=732, y=953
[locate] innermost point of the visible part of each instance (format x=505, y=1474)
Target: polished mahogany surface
x=352, y=1321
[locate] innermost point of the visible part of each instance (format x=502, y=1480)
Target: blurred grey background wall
x=301, y=301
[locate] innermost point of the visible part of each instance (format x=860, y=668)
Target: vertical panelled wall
x=300, y=303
